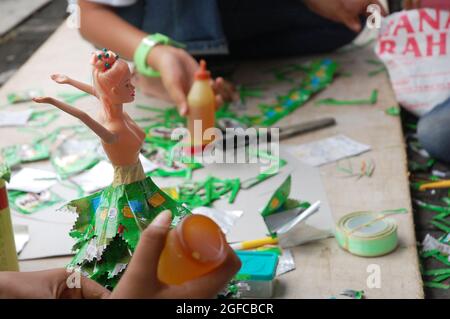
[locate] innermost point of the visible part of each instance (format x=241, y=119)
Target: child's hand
x=49, y=284
x=60, y=78
x=343, y=11
x=177, y=69
x=140, y=279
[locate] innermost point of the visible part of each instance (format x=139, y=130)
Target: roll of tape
x=367, y=234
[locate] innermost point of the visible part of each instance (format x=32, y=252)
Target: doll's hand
x=140, y=279
x=177, y=69
x=48, y=284
x=60, y=78
x=343, y=11
x=44, y=99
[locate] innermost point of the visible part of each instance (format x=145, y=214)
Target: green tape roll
x=366, y=234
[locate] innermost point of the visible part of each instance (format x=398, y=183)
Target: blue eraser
x=257, y=265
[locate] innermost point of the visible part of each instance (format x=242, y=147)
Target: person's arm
x=101, y=26
x=107, y=136
x=64, y=79
x=48, y=284
x=104, y=28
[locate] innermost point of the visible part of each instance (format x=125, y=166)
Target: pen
x=250, y=244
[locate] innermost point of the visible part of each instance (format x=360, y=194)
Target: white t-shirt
x=115, y=3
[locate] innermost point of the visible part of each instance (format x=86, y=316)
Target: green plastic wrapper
x=319, y=75
x=24, y=96
x=29, y=203
x=75, y=156
x=279, y=197
x=15, y=154
x=110, y=223
x=169, y=164
x=203, y=193
x=43, y=118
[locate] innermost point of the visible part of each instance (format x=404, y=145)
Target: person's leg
x=433, y=131
x=269, y=28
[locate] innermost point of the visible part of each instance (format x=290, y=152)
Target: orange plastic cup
x=194, y=248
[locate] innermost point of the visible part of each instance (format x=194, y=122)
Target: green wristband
x=144, y=48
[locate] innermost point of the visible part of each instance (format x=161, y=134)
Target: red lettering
x=433, y=23
x=447, y=25
x=412, y=46
x=387, y=46
x=442, y=44
x=404, y=23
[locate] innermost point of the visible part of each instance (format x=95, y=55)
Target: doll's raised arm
x=64, y=79
x=106, y=135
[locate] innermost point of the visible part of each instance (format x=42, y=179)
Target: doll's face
x=124, y=91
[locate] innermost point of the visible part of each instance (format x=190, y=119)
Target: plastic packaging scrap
x=224, y=218
x=370, y=101
x=29, y=203
x=354, y=294
x=366, y=169
x=234, y=290
x=43, y=118
x=71, y=98
x=393, y=111
x=280, y=201
x=436, y=248
x=74, y=156
x=171, y=161
x=23, y=96
x=248, y=92
x=278, y=198
x=16, y=154
x=286, y=262
x=319, y=75
x=203, y=193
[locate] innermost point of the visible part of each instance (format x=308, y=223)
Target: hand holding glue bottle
x=202, y=108
x=194, y=248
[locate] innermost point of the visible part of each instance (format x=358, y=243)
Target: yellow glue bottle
x=8, y=255
x=202, y=107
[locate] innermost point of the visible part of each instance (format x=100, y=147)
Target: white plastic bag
x=415, y=46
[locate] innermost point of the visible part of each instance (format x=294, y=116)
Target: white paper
x=15, y=118
x=21, y=237
x=48, y=233
x=328, y=150
x=32, y=180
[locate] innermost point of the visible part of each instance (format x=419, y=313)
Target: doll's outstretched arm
x=64, y=79
x=106, y=135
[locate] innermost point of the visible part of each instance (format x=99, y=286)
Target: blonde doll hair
x=108, y=70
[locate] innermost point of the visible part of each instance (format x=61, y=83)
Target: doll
x=110, y=221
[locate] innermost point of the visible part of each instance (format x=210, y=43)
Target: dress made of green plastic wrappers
x=110, y=223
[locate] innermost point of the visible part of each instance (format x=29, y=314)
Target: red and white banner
x=415, y=46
